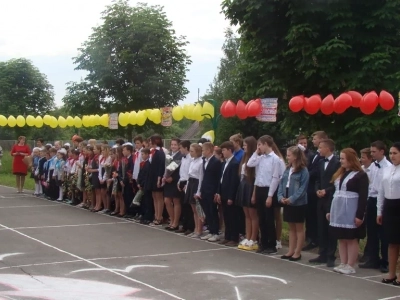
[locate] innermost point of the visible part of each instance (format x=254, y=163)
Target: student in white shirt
x=104, y=175
x=389, y=211
x=377, y=242
x=268, y=173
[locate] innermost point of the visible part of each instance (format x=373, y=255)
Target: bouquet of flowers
x=170, y=167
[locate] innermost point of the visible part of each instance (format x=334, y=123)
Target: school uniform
x=269, y=170
x=187, y=213
x=157, y=169
x=147, y=200
x=211, y=175
x=52, y=185
x=227, y=189
x=327, y=243
x=125, y=171
x=312, y=201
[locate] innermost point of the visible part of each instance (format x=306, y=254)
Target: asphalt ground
x=51, y=250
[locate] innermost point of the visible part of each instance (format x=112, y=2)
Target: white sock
x=60, y=193
x=40, y=189
x=36, y=188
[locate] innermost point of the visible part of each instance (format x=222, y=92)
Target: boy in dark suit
x=312, y=203
x=325, y=190
x=126, y=178
x=147, y=201
x=228, y=185
x=212, y=168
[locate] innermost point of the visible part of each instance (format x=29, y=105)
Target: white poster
x=113, y=121
x=269, y=110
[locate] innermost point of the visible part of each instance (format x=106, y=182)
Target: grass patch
x=6, y=176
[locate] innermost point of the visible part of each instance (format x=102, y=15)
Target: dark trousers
x=231, y=214
x=211, y=211
x=148, y=206
x=266, y=219
x=375, y=235
x=53, y=188
x=128, y=196
x=187, y=217
x=327, y=244
x=311, y=218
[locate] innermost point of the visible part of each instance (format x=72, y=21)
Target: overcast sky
x=48, y=32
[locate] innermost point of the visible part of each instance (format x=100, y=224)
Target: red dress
x=19, y=167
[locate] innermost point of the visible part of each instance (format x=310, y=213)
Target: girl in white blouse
x=193, y=185
x=104, y=175
x=389, y=211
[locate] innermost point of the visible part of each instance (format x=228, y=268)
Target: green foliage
x=23, y=91
x=134, y=61
x=294, y=47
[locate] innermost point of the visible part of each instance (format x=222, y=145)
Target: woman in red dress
x=19, y=151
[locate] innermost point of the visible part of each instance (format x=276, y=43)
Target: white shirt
x=184, y=169
x=290, y=174
x=206, y=161
x=327, y=162
x=390, y=186
x=227, y=161
x=315, y=156
x=370, y=171
x=378, y=175
x=196, y=167
x=243, y=171
x=136, y=166
x=269, y=170
x=103, y=163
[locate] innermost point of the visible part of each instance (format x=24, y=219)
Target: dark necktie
x=377, y=164
x=326, y=159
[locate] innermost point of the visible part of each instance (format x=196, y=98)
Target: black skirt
x=94, y=180
x=294, y=214
x=244, y=193
x=391, y=220
x=341, y=233
x=191, y=190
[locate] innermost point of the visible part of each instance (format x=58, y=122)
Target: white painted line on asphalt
x=92, y=263
x=157, y=255
x=28, y=206
x=63, y=226
x=367, y=277
x=41, y=264
x=389, y=298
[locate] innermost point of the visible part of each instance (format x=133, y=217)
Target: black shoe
x=330, y=263
x=309, y=247
x=369, y=265
x=295, y=258
x=270, y=251
x=260, y=250
x=286, y=257
x=389, y=281
x=318, y=260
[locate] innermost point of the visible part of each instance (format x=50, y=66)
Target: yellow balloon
x=177, y=113
x=155, y=116
x=197, y=112
x=62, y=122
x=77, y=122
x=46, y=120
x=147, y=113
x=11, y=121
x=122, y=120
x=39, y=122
x=96, y=120
x=209, y=135
x=132, y=118
x=140, y=118
x=20, y=121
x=3, y=120
x=92, y=121
x=53, y=122
x=30, y=121
x=70, y=121
x=104, y=120
x=85, y=121
x=208, y=109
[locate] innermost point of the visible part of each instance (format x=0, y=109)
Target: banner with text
x=269, y=110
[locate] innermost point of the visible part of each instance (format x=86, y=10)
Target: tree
x=134, y=61
x=294, y=47
x=23, y=91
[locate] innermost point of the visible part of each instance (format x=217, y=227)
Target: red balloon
x=369, y=103
x=342, y=103
x=247, y=106
x=356, y=98
x=260, y=108
x=254, y=109
x=296, y=104
x=312, y=104
x=386, y=100
x=222, y=109
x=230, y=109
x=327, y=105
x=241, y=110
